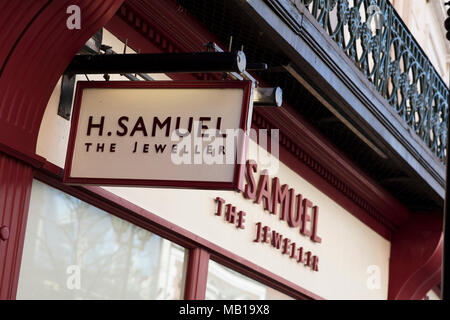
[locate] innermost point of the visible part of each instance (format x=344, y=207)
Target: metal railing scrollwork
x=392, y=61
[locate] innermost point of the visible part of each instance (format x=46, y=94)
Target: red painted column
x=416, y=257
x=36, y=47
x=196, y=274
x=15, y=187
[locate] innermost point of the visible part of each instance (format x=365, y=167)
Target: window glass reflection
x=73, y=250
x=226, y=284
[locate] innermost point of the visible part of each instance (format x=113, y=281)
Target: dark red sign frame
x=237, y=182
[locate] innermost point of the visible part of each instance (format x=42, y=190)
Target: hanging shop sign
x=159, y=133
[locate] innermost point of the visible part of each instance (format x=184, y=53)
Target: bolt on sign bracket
x=66, y=96
x=194, y=62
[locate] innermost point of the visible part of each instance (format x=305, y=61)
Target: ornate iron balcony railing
x=392, y=61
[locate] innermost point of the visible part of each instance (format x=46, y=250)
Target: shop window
x=226, y=284
x=73, y=250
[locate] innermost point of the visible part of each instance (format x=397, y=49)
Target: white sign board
x=159, y=133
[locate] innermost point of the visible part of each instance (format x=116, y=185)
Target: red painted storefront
x=35, y=42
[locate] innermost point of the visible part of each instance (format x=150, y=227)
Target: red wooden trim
x=132, y=213
x=196, y=274
x=176, y=184
x=15, y=189
x=416, y=257
x=239, y=166
x=33, y=160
